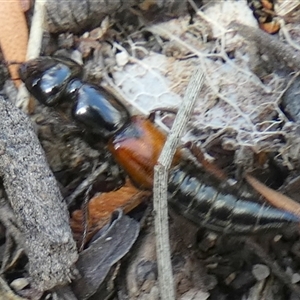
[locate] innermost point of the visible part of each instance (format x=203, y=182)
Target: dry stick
x=86, y=217
x=74, y=16
x=277, y=51
x=33, y=193
x=77, y=15
x=275, y=198
x=34, y=47
x=36, y=30
x=160, y=192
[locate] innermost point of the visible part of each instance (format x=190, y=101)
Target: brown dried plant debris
x=275, y=198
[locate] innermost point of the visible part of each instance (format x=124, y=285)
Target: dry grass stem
x=161, y=184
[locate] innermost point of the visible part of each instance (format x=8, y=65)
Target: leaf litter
x=239, y=108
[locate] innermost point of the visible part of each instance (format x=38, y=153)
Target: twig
x=287, y=36
x=33, y=193
x=36, y=30
x=77, y=15
x=74, y=16
x=34, y=47
x=275, y=198
x=161, y=184
x=86, y=217
x=280, y=54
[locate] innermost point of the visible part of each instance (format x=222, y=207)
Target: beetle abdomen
x=211, y=206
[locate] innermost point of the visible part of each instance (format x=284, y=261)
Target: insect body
x=52, y=80
x=263, y=11
x=193, y=192
x=210, y=204
x=136, y=144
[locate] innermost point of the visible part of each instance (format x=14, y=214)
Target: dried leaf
x=95, y=262
x=275, y=198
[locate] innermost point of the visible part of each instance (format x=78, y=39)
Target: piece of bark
x=280, y=56
x=35, y=198
x=79, y=15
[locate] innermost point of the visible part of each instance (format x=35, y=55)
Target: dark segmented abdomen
x=207, y=205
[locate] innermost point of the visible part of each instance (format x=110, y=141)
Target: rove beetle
x=135, y=143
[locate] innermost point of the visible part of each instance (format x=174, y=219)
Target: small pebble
x=295, y=278
x=230, y=278
x=277, y=238
x=19, y=284
x=212, y=237
x=76, y=55
x=86, y=35
x=208, y=242
x=212, y=266
x=122, y=58
x=260, y=271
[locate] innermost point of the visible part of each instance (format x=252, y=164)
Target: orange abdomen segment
x=136, y=148
x=101, y=207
